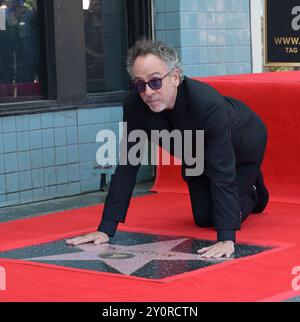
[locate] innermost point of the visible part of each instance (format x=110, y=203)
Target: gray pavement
x=51, y=206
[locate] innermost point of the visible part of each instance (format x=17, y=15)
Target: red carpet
x=250, y=279
x=264, y=277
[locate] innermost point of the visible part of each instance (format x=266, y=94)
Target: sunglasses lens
x=155, y=83
x=140, y=86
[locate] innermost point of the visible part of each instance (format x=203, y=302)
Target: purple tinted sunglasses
x=155, y=83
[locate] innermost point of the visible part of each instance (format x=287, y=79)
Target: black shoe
x=262, y=194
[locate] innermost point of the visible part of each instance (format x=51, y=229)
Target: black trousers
x=249, y=157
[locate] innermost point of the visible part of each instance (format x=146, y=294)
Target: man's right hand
x=97, y=238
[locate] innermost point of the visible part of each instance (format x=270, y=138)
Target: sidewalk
x=51, y=206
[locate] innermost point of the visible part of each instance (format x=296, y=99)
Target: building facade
x=63, y=79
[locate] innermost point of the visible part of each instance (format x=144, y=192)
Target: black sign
x=282, y=32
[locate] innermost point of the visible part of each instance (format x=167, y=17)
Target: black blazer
x=198, y=106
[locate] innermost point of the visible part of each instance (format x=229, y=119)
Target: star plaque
x=131, y=254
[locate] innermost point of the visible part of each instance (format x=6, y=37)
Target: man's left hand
x=218, y=250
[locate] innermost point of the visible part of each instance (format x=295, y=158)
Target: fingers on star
x=215, y=252
x=80, y=240
x=99, y=241
x=203, y=250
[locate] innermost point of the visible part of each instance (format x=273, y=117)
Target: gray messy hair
x=143, y=47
